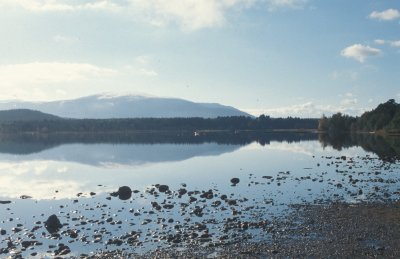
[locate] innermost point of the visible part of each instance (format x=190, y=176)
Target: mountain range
x=104, y=106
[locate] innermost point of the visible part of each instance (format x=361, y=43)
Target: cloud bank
x=312, y=110
x=187, y=14
x=50, y=72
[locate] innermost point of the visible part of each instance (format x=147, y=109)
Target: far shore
x=196, y=132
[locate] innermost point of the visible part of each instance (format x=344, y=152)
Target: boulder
x=53, y=224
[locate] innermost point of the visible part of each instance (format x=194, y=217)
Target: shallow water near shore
x=204, y=193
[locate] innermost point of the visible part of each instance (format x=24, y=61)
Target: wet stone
x=163, y=188
x=232, y=202
x=4, y=251
x=16, y=230
x=123, y=193
x=168, y=206
x=235, y=181
x=53, y=224
x=26, y=244
x=182, y=191
x=62, y=250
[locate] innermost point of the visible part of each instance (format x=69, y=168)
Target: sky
x=278, y=57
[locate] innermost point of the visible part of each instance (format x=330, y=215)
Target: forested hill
x=385, y=118
x=25, y=115
x=157, y=124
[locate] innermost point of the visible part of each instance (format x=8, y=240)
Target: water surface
x=72, y=177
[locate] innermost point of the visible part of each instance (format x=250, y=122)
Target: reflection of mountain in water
x=125, y=154
x=142, y=147
x=133, y=149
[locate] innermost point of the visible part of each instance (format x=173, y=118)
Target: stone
x=163, y=188
x=235, y=181
x=124, y=193
x=53, y=224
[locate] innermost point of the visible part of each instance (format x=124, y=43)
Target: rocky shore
x=340, y=230
x=355, y=214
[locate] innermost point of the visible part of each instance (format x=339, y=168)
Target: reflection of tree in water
x=33, y=143
x=387, y=148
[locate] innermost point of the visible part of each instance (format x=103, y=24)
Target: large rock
x=53, y=224
x=123, y=193
x=163, y=188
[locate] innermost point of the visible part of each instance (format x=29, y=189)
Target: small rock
x=235, y=181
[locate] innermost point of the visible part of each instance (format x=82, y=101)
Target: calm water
x=283, y=170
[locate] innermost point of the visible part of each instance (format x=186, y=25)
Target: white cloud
x=60, y=5
x=379, y=41
x=38, y=81
x=311, y=109
x=140, y=71
x=68, y=40
x=349, y=101
x=395, y=44
x=189, y=15
x=50, y=72
x=387, y=15
x=142, y=67
x=360, y=52
x=143, y=60
x=274, y=4
x=147, y=72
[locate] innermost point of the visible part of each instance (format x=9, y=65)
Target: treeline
x=385, y=118
x=156, y=124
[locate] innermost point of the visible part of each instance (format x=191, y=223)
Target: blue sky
x=278, y=57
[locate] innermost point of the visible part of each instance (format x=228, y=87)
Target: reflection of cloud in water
x=305, y=148
x=34, y=179
x=308, y=148
x=64, y=168
x=13, y=186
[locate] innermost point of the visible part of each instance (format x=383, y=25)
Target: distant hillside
x=25, y=115
x=384, y=118
x=127, y=106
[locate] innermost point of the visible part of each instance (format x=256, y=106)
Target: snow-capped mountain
x=125, y=106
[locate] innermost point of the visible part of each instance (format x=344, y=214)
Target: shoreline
x=362, y=230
